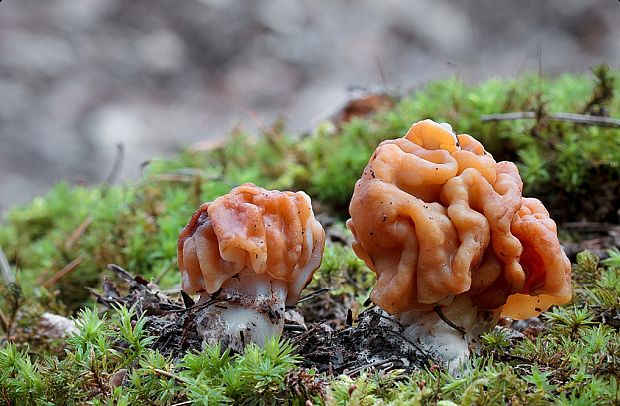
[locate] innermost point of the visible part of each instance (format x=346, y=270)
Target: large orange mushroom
x=252, y=251
x=451, y=239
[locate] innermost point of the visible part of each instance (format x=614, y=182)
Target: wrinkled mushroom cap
x=251, y=229
x=435, y=216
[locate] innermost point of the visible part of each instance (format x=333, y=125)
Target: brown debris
x=363, y=106
x=373, y=341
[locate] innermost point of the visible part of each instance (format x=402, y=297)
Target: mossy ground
x=61, y=242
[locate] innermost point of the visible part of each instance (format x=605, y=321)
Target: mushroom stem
x=450, y=341
x=250, y=308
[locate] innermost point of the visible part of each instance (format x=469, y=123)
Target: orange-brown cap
x=435, y=216
x=251, y=229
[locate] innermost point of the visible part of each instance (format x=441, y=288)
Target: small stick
x=77, y=233
x=169, y=375
x=67, y=269
x=5, y=269
x=163, y=273
x=443, y=317
x=414, y=345
x=303, y=336
x=200, y=306
x=121, y=272
x=187, y=402
x=372, y=364
x=348, y=278
x=518, y=358
x=312, y=295
x=294, y=327
x=4, y=321
x=401, y=336
x=585, y=119
x=109, y=303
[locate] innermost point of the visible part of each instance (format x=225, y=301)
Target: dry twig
x=67, y=269
x=401, y=336
x=77, y=233
x=169, y=375
x=584, y=119
x=359, y=369
x=163, y=272
x=446, y=320
x=4, y=322
x=295, y=328
x=312, y=295
x=187, y=402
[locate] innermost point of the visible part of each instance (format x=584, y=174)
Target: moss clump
x=107, y=361
x=574, y=169
x=573, y=360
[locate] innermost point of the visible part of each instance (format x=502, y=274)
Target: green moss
x=104, y=349
x=136, y=225
x=574, y=169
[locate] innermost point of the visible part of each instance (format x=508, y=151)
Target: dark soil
x=375, y=340
x=331, y=346
x=596, y=201
x=591, y=236
x=322, y=328
x=172, y=321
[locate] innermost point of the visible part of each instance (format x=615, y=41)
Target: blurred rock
x=76, y=77
x=55, y=326
x=161, y=51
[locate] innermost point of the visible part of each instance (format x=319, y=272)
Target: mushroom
x=452, y=241
x=249, y=254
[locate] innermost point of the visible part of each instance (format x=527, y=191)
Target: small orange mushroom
x=445, y=228
x=256, y=250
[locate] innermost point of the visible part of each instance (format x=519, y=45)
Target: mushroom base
x=443, y=342
x=248, y=308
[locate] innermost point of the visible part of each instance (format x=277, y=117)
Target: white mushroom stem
x=248, y=308
x=449, y=333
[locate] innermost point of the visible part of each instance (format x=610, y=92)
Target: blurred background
x=78, y=77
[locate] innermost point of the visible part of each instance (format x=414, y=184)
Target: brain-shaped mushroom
x=434, y=216
x=251, y=229
x=253, y=251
